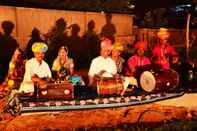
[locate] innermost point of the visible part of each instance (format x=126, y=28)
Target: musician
x=63, y=65
x=163, y=51
x=116, y=52
x=103, y=65
x=63, y=68
x=137, y=60
x=16, y=68
x=36, y=69
x=15, y=72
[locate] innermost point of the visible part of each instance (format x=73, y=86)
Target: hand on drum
x=35, y=78
x=101, y=72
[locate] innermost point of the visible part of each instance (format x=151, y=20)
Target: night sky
x=176, y=18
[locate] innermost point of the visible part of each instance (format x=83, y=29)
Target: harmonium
x=109, y=86
x=56, y=90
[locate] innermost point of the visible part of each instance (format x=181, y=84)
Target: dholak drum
x=163, y=81
x=188, y=72
x=150, y=67
x=109, y=86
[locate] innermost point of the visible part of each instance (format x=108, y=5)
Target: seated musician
x=116, y=52
x=163, y=52
x=16, y=67
x=103, y=65
x=36, y=69
x=15, y=72
x=63, y=67
x=128, y=81
x=138, y=60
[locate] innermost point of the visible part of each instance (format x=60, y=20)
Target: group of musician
x=109, y=64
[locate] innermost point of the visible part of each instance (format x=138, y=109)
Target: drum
x=188, y=72
x=109, y=86
x=150, y=67
x=189, y=75
x=163, y=81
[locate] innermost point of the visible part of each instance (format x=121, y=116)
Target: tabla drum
x=109, y=86
x=163, y=81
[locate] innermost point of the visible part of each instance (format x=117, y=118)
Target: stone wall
x=25, y=19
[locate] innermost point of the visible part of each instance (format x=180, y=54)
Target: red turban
x=141, y=45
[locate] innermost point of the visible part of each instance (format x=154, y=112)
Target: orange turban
x=141, y=45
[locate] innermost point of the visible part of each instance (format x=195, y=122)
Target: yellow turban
x=163, y=33
x=39, y=47
x=118, y=46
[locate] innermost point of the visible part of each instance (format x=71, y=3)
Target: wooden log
x=97, y=118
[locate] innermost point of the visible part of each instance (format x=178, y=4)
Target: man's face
x=115, y=53
x=163, y=41
x=105, y=52
x=39, y=56
x=140, y=52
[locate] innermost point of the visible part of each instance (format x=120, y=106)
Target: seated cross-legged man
x=136, y=62
x=103, y=73
x=102, y=66
x=117, y=50
x=37, y=71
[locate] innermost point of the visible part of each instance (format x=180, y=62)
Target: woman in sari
x=15, y=72
x=63, y=67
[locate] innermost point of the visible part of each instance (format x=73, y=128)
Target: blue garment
x=76, y=80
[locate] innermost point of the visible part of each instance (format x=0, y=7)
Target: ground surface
x=99, y=118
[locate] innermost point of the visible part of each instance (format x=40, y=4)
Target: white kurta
x=102, y=64
x=32, y=67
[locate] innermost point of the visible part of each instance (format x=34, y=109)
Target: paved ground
x=187, y=100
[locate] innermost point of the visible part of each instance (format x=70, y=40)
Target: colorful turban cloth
x=141, y=45
x=163, y=33
x=39, y=47
x=118, y=46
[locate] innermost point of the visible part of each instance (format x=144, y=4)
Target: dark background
x=148, y=13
